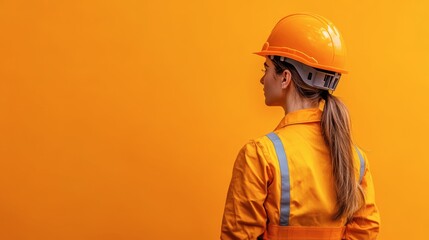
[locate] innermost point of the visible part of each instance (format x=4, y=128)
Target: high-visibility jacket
x=294, y=198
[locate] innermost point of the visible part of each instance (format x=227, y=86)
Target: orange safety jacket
x=282, y=188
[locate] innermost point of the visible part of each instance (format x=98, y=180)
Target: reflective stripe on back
x=362, y=165
x=285, y=182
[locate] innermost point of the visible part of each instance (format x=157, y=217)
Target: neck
x=294, y=103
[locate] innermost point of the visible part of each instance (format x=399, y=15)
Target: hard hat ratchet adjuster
x=314, y=77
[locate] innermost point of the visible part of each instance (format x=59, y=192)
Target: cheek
x=272, y=83
x=275, y=87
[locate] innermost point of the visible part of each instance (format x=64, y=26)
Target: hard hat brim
x=303, y=60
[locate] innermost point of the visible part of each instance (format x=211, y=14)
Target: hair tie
x=325, y=94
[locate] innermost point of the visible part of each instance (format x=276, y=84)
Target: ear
x=287, y=78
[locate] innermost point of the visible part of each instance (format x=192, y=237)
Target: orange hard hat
x=309, y=39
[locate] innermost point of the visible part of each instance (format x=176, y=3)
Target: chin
x=272, y=103
x=268, y=103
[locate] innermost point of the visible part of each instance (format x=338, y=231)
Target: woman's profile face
x=272, y=84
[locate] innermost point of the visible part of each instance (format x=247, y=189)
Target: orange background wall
x=122, y=119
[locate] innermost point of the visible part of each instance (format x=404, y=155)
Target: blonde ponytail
x=336, y=133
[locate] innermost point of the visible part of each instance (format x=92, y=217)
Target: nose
x=262, y=80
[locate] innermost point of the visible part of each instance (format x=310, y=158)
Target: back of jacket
x=254, y=200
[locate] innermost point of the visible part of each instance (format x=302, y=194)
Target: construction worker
x=306, y=179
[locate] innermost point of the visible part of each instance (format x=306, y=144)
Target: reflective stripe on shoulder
x=285, y=181
x=362, y=165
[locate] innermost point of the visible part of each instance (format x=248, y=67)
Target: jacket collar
x=307, y=115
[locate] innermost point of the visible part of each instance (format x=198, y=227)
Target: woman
x=305, y=180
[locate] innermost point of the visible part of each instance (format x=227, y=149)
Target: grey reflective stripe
x=285, y=182
x=362, y=165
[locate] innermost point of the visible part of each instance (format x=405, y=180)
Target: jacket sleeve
x=365, y=223
x=244, y=214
